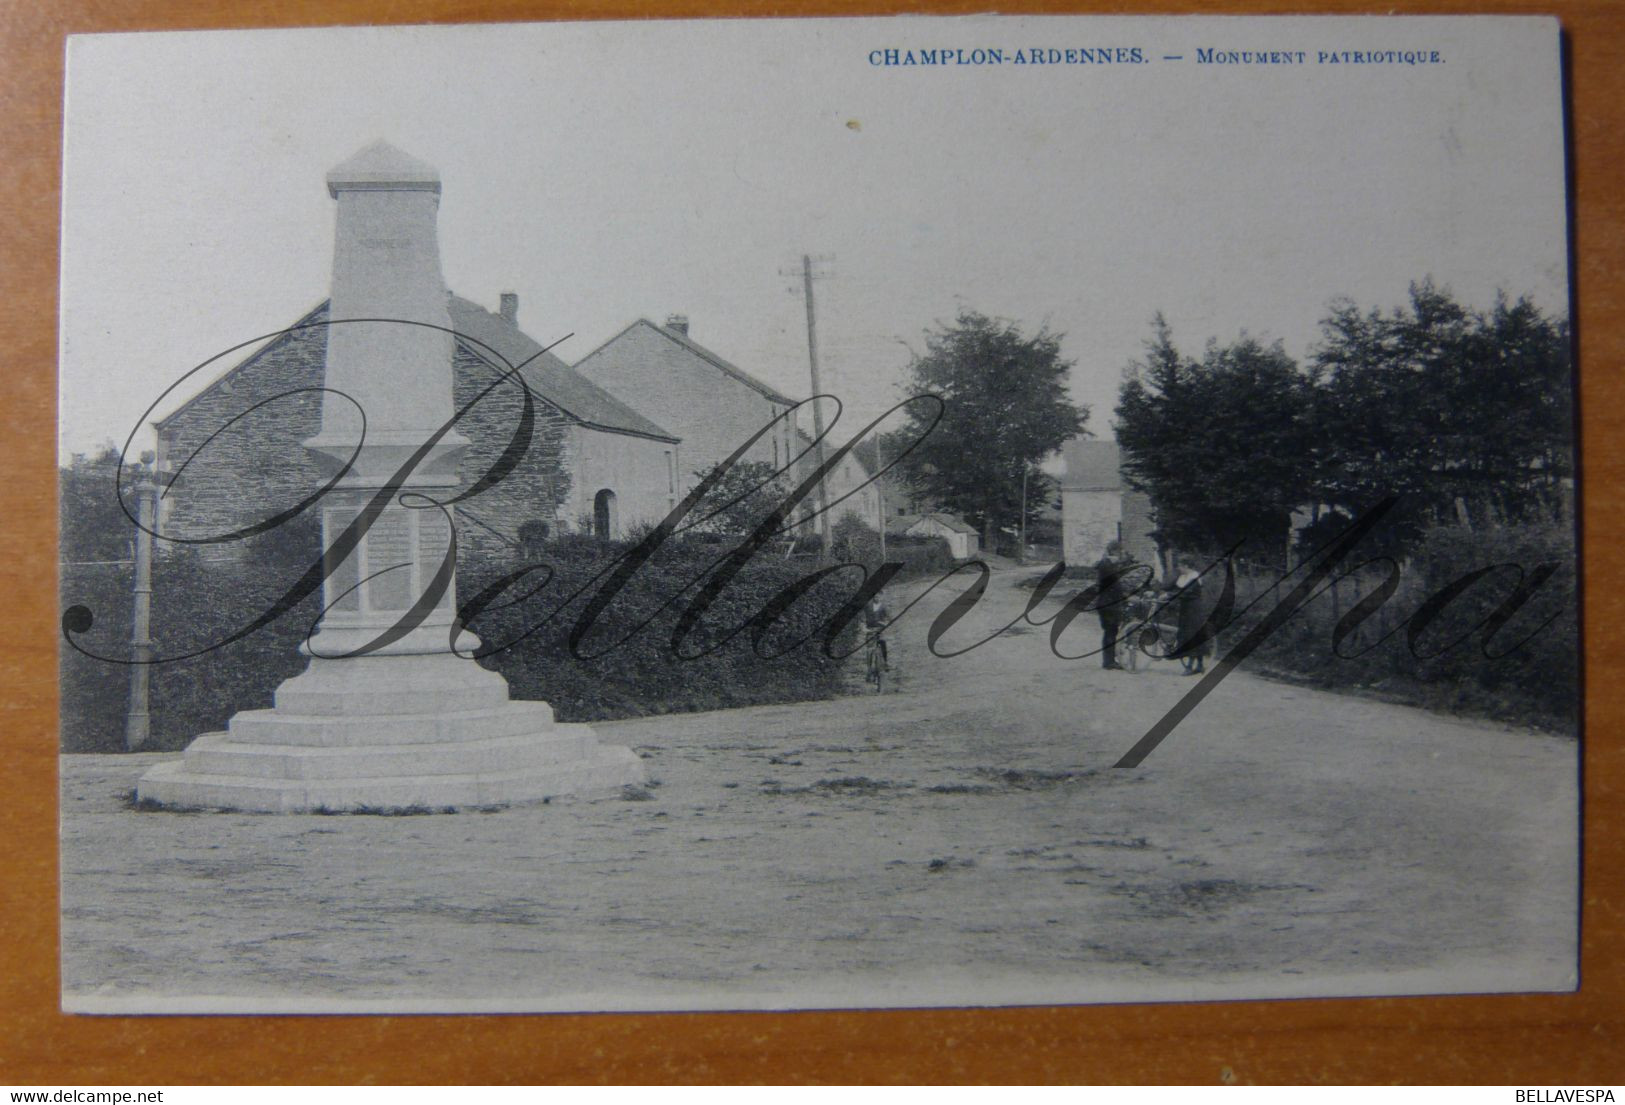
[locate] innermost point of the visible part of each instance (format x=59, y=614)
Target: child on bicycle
x=875, y=619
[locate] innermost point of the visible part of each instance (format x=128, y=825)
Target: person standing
x=1192, y=621
x=1110, y=571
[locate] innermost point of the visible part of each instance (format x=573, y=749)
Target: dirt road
x=960, y=839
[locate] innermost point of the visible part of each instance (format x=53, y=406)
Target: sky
x=607, y=172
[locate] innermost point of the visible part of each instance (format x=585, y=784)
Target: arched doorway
x=604, y=521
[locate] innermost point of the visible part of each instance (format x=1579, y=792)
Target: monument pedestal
x=387, y=716
x=390, y=733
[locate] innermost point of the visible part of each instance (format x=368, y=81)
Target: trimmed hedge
x=1527, y=671
x=95, y=693
x=197, y=603
x=629, y=668
x=852, y=541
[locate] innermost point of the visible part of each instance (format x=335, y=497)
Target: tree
x=740, y=500
x=94, y=526
x=1005, y=408
x=1225, y=447
x=1464, y=415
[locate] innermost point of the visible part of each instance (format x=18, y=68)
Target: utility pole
x=1021, y=548
x=138, y=722
x=822, y=498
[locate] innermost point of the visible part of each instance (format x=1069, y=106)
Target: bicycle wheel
x=1127, y=652
x=1152, y=641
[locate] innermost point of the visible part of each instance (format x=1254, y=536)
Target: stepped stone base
x=389, y=733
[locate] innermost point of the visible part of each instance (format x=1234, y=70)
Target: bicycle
x=1151, y=629
x=876, y=663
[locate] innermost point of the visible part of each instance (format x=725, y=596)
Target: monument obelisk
x=387, y=715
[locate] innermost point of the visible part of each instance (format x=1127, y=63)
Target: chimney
x=678, y=323
x=510, y=308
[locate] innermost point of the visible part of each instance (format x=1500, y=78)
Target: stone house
x=849, y=489
x=234, y=454
x=234, y=451
x=711, y=404
x=1098, y=506
x=899, y=498
x=715, y=406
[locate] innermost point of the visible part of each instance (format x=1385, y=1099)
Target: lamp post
x=138, y=721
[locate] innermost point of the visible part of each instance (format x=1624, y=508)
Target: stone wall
x=233, y=465
x=541, y=487
x=255, y=464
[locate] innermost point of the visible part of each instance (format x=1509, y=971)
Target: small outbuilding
x=963, y=540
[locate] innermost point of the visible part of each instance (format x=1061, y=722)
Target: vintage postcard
x=824, y=513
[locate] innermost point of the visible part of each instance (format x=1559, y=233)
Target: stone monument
x=387, y=715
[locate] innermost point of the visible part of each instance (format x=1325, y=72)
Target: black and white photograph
x=812, y=514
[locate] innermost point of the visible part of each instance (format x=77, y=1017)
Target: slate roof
x=683, y=341
x=898, y=525
x=547, y=375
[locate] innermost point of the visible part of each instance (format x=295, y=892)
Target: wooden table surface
x=1526, y=1040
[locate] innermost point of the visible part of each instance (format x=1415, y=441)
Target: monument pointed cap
x=382, y=168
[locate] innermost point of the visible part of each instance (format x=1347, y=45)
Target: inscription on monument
x=342, y=593
x=389, y=552
x=434, y=537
